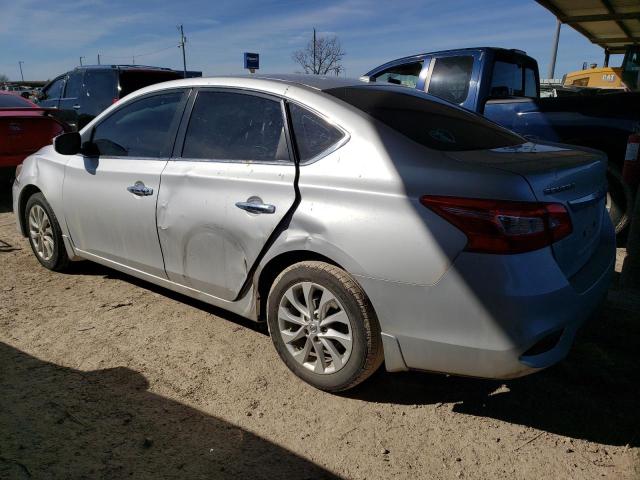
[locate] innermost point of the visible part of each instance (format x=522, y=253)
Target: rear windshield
x=13, y=101
x=426, y=121
x=132, y=80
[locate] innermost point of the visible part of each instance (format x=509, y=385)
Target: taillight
x=497, y=226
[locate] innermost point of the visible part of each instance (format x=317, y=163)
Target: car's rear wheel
x=323, y=326
x=44, y=233
x=619, y=200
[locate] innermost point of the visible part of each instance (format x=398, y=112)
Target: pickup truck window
x=512, y=80
x=426, y=121
x=450, y=78
x=406, y=74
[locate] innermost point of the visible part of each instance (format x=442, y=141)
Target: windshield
x=425, y=120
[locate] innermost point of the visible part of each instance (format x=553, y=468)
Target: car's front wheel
x=323, y=326
x=45, y=235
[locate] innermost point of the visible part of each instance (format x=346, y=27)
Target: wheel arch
x=27, y=192
x=276, y=265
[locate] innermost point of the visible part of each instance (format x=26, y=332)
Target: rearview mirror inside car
x=67, y=143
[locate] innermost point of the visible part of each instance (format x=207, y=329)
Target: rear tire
x=45, y=235
x=335, y=344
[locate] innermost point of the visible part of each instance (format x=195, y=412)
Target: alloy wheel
x=315, y=328
x=41, y=232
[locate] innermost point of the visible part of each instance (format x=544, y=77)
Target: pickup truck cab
x=504, y=86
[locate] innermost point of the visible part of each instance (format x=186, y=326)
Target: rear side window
x=450, y=78
x=140, y=129
x=8, y=100
x=313, y=134
x=426, y=121
x=100, y=90
x=236, y=126
x=406, y=74
x=132, y=80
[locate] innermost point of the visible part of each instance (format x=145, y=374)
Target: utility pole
x=314, y=52
x=81, y=60
x=20, y=65
x=98, y=59
x=181, y=45
x=554, y=50
x=134, y=59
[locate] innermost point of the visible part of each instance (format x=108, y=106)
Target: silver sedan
x=363, y=223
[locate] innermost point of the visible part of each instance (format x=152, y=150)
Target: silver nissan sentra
x=364, y=222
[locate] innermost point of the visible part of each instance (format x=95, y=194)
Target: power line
x=137, y=55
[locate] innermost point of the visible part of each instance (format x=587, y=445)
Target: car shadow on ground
x=593, y=394
x=58, y=422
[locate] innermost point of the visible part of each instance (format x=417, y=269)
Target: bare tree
x=3, y=78
x=325, y=58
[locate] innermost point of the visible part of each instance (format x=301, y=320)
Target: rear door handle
x=256, y=207
x=76, y=107
x=140, y=190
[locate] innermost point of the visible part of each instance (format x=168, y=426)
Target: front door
x=228, y=188
x=110, y=198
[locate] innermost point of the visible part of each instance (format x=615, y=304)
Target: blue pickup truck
x=504, y=86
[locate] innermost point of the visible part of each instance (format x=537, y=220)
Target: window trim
x=184, y=126
x=173, y=129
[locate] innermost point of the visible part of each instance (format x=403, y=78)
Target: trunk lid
x=23, y=133
x=558, y=174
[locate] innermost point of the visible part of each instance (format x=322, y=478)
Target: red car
x=24, y=128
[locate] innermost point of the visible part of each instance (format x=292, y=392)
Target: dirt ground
x=104, y=376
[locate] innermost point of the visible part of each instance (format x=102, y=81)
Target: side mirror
x=67, y=143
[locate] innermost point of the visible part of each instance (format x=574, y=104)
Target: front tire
x=45, y=235
x=323, y=326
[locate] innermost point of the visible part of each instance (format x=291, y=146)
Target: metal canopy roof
x=611, y=24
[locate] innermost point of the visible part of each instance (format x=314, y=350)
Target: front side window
x=235, y=126
x=74, y=85
x=313, y=134
x=450, y=78
x=429, y=122
x=141, y=128
x=406, y=75
x=55, y=89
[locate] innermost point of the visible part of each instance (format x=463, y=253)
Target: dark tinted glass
x=55, y=89
x=506, y=80
x=530, y=84
x=74, y=85
x=139, y=129
x=100, y=90
x=430, y=123
x=235, y=126
x=406, y=74
x=13, y=101
x=132, y=80
x=450, y=78
x=313, y=134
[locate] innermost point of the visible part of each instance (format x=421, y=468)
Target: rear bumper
x=491, y=316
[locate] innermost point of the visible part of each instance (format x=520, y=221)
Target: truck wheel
x=619, y=199
x=323, y=326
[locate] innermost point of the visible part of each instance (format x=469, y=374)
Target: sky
x=50, y=36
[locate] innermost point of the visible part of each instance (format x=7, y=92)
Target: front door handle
x=252, y=207
x=140, y=190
